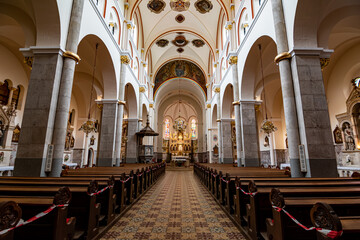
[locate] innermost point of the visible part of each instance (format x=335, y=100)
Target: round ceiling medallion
x=156, y=6
x=198, y=43
x=162, y=43
x=180, y=50
x=180, y=41
x=180, y=18
x=203, y=6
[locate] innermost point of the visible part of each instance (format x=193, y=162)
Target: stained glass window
x=193, y=128
x=167, y=129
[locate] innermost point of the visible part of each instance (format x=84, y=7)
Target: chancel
x=179, y=119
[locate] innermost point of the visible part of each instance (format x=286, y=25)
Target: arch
x=48, y=26
x=251, y=70
x=227, y=100
x=25, y=23
x=144, y=114
x=105, y=68
x=214, y=117
x=131, y=101
x=239, y=24
x=118, y=25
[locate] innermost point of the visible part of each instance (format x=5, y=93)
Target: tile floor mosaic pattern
x=177, y=207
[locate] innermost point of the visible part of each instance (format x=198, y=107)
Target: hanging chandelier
x=267, y=126
x=179, y=5
x=90, y=125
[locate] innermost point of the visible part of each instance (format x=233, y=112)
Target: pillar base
x=118, y=161
x=228, y=160
x=322, y=168
x=295, y=168
x=252, y=162
x=131, y=160
x=29, y=167
x=105, y=162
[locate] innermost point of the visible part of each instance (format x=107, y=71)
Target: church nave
x=177, y=207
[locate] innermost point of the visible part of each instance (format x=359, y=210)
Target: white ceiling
x=195, y=26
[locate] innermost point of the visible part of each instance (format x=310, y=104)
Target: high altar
x=180, y=144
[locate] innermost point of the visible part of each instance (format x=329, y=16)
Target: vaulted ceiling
x=164, y=25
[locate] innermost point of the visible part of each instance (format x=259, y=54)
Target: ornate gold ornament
x=208, y=106
x=121, y=102
x=125, y=59
x=29, y=61
x=233, y=60
x=268, y=127
x=324, y=62
x=141, y=89
x=72, y=55
x=179, y=5
x=151, y=105
x=282, y=56
x=129, y=26
x=217, y=90
x=228, y=27
x=236, y=103
x=100, y=106
x=218, y=120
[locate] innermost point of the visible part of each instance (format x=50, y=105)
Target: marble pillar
x=219, y=129
x=39, y=112
x=131, y=148
x=287, y=88
x=66, y=83
x=250, y=137
x=312, y=110
x=120, y=114
x=233, y=61
x=226, y=140
x=108, y=133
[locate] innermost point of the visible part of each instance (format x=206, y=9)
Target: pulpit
x=145, y=152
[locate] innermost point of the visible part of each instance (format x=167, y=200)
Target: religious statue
x=349, y=137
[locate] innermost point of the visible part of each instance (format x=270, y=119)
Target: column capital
x=282, y=56
x=71, y=55
x=35, y=50
x=107, y=101
x=125, y=57
x=250, y=101
x=228, y=25
x=320, y=52
x=232, y=58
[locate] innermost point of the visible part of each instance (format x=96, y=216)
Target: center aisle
x=177, y=207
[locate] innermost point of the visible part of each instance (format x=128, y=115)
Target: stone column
x=217, y=90
x=250, y=137
x=287, y=88
x=233, y=61
x=313, y=115
x=67, y=78
x=108, y=133
x=226, y=140
x=11, y=94
x=125, y=60
x=131, y=150
x=39, y=112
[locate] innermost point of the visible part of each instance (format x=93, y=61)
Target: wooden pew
x=55, y=225
x=83, y=207
x=282, y=227
x=323, y=216
x=106, y=199
x=259, y=207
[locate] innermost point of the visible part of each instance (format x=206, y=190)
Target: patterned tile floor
x=177, y=207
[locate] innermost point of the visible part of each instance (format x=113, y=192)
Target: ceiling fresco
x=180, y=69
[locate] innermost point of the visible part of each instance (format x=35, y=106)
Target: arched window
x=4, y=93
x=167, y=129
x=193, y=128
